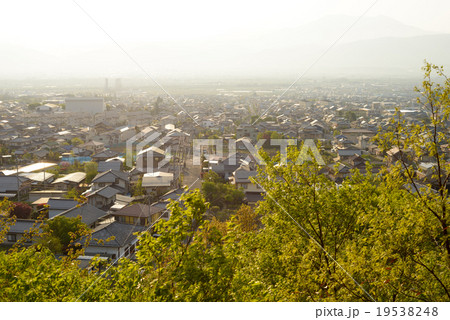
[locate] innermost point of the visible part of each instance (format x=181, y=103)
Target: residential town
x=117, y=159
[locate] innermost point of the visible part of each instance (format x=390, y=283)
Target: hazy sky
x=53, y=24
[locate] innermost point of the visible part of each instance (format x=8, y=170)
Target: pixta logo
x=215, y=146
x=151, y=151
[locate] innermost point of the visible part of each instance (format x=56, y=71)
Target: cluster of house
x=344, y=129
x=108, y=208
x=107, y=205
x=345, y=135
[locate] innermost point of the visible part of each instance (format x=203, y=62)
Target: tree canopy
x=60, y=232
x=220, y=194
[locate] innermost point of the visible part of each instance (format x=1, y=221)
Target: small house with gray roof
x=113, y=240
x=58, y=205
x=22, y=231
x=69, y=181
x=113, y=178
x=102, y=198
x=13, y=186
x=89, y=214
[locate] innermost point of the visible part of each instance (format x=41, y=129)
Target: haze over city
x=198, y=39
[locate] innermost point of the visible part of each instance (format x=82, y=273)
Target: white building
x=85, y=105
x=157, y=182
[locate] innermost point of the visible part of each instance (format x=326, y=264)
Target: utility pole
x=17, y=176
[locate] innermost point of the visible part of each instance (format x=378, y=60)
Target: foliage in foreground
x=370, y=226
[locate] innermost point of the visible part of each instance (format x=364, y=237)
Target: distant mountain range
x=374, y=46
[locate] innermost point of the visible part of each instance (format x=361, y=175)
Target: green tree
x=73, y=193
x=246, y=218
x=202, y=161
x=307, y=221
x=219, y=193
x=275, y=135
x=268, y=136
x=76, y=141
x=138, y=189
x=33, y=106
x=6, y=220
x=61, y=232
x=53, y=155
x=34, y=274
x=186, y=262
x=350, y=116
x=426, y=140
x=91, y=170
x=430, y=258
x=212, y=176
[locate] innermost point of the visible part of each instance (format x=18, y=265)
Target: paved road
x=191, y=172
